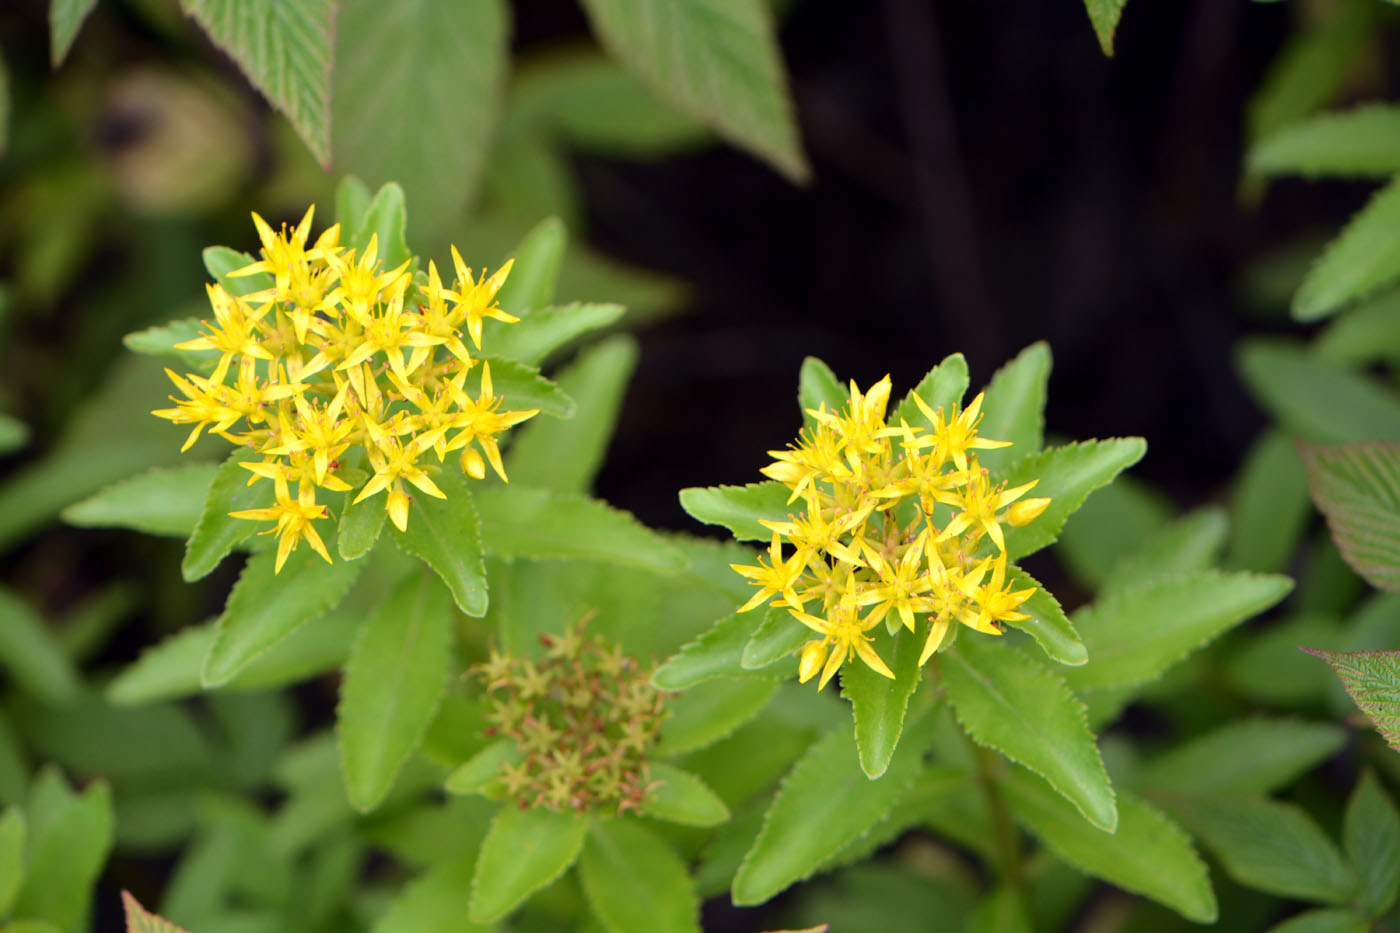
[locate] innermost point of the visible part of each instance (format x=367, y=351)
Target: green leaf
x=1001, y=911
x=12, y=838
x=1372, y=678
x=352, y=198
x=878, y=704
x=70, y=836
x=1363, y=258
x=943, y=387
x=1363, y=142
x=1321, y=401
x=524, y=850
x=1329, y=920
x=817, y=385
x=635, y=882
x=1048, y=624
x=1191, y=543
x=217, y=532
x=284, y=48
x=1007, y=701
x=359, y=527
x=824, y=804
x=537, y=335
x=14, y=434
x=1104, y=14
x=1251, y=756
x=1357, y=486
x=1371, y=834
x=522, y=387
x=680, y=797
x=1315, y=63
x=776, y=637
x=1135, y=635
x=31, y=656
x=716, y=653
x=385, y=220
x=530, y=285
x=1268, y=506
x=1274, y=847
x=141, y=920
x=708, y=712
x=739, y=508
x=1067, y=475
x=1147, y=854
x=433, y=901
x=715, y=60
x=472, y=775
x=1113, y=521
x=220, y=261
x=394, y=681
x=540, y=523
x=417, y=86
x=446, y=535
x=65, y=19
x=265, y=607
x=165, y=501
x=161, y=340
x=1013, y=409
x=1368, y=333
x=596, y=380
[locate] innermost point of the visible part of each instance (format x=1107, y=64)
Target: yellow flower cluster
x=340, y=357
x=897, y=522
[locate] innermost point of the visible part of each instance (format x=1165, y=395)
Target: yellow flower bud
x=813, y=656
x=1026, y=511
x=472, y=464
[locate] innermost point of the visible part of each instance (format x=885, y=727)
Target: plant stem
x=1006, y=842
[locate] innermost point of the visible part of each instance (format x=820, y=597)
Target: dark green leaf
x=1330, y=920
x=878, y=703
x=1112, y=522
x=1357, y=486
x=1191, y=543
x=739, y=508
x=635, y=882
x=1320, y=401
x=1371, y=834
x=166, y=501
x=524, y=850
x=446, y=535
x=1067, y=475
x=942, y=388
x=1268, y=507
x=1002, y=911
x=31, y=656
x=540, y=523
x=12, y=840
x=1251, y=756
x=1014, y=407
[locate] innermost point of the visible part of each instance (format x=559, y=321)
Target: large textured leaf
x=943, y=387
x=30, y=655
x=65, y=19
x=446, y=535
x=1007, y=701
x=524, y=850
x=417, y=87
x=1275, y=847
x=217, y=532
x=1104, y=14
x=1048, y=624
x=1014, y=408
x=824, y=803
x=635, y=882
x=1373, y=680
x=265, y=608
x=1371, y=835
x=1135, y=635
x=70, y=835
x=1148, y=854
x=1362, y=142
x=878, y=704
x=715, y=60
x=1319, y=400
x=739, y=508
x=1268, y=506
x=540, y=523
x=1251, y=756
x=167, y=501
x=538, y=334
x=1067, y=475
x=284, y=47
x=394, y=680
x=1357, y=486
x=1361, y=259
x=596, y=381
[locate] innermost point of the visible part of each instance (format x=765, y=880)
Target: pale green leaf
x=538, y=334
x=359, y=527
x=776, y=636
x=739, y=508
x=635, y=882
x=385, y=221
x=1066, y=475
x=708, y=712
x=417, y=86
x=1147, y=854
x=394, y=681
x=716, y=653
x=65, y=19
x=472, y=775
x=878, y=704
x=141, y=920
x=540, y=523
x=521, y=387
x=1112, y=522
x=1363, y=258
x=70, y=835
x=818, y=386
x=524, y=850
x=1363, y=142
x=1048, y=624
x=265, y=607
x=284, y=48
x=1104, y=14
x=1007, y=701
x=530, y=285
x=166, y=501
x=1371, y=835
x=1372, y=678
x=1368, y=333
x=1312, y=67
x=1249, y=756
x=161, y=339
x=220, y=262
x=352, y=198
x=680, y=797
x=1013, y=409
x=942, y=388
x=217, y=532
x=1357, y=486
x=12, y=845
x=1268, y=506
x=31, y=656
x=715, y=60
x=1192, y=543
x=446, y=535
x=433, y=901
x=1135, y=635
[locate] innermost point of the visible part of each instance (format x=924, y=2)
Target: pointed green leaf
x=1268, y=506
x=1363, y=142
x=522, y=387
x=1048, y=624
x=824, y=804
x=1321, y=401
x=1371, y=835
x=446, y=535
x=265, y=607
x=739, y=508
x=1362, y=259
x=284, y=48
x=635, y=882
x=1007, y=701
x=141, y=920
x=1114, y=520
x=680, y=797
x=70, y=835
x=817, y=385
x=1014, y=408
x=1314, y=64
x=716, y=653
x=1274, y=847
x=1135, y=635
x=217, y=532
x=220, y=261
x=65, y=19
x=540, y=523
x=1328, y=920
x=708, y=712
x=359, y=527
x=1189, y=544
x=776, y=637
x=31, y=656
x=164, y=501
x=878, y=703
x=1368, y=333
x=12, y=839
x=524, y=850
x=1147, y=854
x=352, y=198
x=1372, y=678
x=161, y=339
x=1357, y=486
x=1067, y=475
x=394, y=680
x=479, y=770
x=596, y=380
x=1251, y=756
x=943, y=387
x=537, y=335
x=433, y=901
x=530, y=285
x=715, y=60
x=1104, y=14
